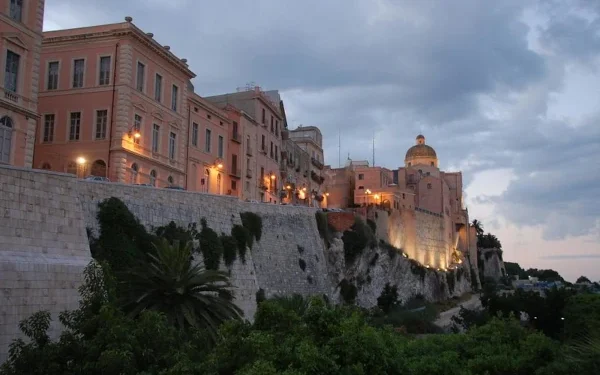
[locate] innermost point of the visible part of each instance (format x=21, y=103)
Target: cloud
x=571, y=257
x=479, y=79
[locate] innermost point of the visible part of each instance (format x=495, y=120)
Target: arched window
x=153, y=177
x=134, y=173
x=46, y=166
x=6, y=129
x=99, y=168
x=72, y=168
x=170, y=180
x=219, y=183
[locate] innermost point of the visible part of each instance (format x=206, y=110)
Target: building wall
x=22, y=37
x=130, y=108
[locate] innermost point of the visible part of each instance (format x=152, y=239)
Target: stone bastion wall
x=44, y=247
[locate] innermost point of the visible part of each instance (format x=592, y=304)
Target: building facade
x=21, y=25
x=113, y=103
x=309, y=141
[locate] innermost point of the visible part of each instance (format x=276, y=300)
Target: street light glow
x=80, y=160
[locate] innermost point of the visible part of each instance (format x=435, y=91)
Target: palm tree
x=478, y=227
x=168, y=281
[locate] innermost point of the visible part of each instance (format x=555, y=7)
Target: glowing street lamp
x=80, y=160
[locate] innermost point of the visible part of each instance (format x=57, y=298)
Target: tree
x=583, y=279
x=187, y=294
x=478, y=227
x=388, y=298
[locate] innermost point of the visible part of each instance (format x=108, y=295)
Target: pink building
x=21, y=28
x=114, y=103
x=207, y=153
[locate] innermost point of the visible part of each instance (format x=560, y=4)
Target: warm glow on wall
x=273, y=176
x=220, y=166
x=288, y=187
x=302, y=194
x=80, y=160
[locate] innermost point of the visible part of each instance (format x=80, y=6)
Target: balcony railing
x=236, y=138
x=11, y=96
x=249, y=173
x=317, y=163
x=249, y=151
x=235, y=172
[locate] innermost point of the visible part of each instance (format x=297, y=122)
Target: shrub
x=243, y=239
x=172, y=232
x=391, y=250
x=473, y=279
x=230, y=247
x=309, y=279
x=459, y=273
x=417, y=269
x=357, y=239
x=323, y=226
x=260, y=295
x=348, y=291
x=211, y=248
x=388, y=299
x=253, y=223
x=302, y=264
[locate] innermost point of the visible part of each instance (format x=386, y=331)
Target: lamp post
x=368, y=192
x=80, y=166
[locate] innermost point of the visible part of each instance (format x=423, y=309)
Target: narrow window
x=75, y=125
x=137, y=126
x=263, y=146
x=6, y=130
x=194, y=134
x=174, y=93
x=276, y=153
x=220, y=150
x=361, y=176
x=52, y=76
x=428, y=186
x=235, y=131
x=16, y=10
x=272, y=125
x=141, y=73
x=207, y=141
x=153, y=177
x=104, y=78
x=172, y=138
x=78, y=70
x=48, y=128
x=158, y=88
x=155, y=137
x=271, y=150
x=11, y=71
x=101, y=123
x=264, y=116
x=234, y=163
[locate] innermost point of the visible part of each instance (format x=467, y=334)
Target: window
x=16, y=10
x=235, y=130
x=174, y=93
x=195, y=134
x=272, y=125
x=104, y=78
x=277, y=127
x=276, y=153
x=172, y=137
x=6, y=128
x=409, y=164
x=361, y=176
x=48, y=128
x=428, y=186
x=155, y=137
x=220, y=148
x=271, y=150
x=78, y=70
x=233, y=185
x=153, y=177
x=219, y=183
x=262, y=145
x=432, y=164
x=262, y=174
x=403, y=196
x=264, y=116
x=52, y=75
x=361, y=188
x=170, y=180
x=137, y=126
x=233, y=163
x=11, y=71
x=134, y=173
x=158, y=88
x=207, y=141
x=101, y=122
x=75, y=125
x=141, y=75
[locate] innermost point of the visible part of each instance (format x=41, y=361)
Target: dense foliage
x=359, y=237
x=252, y=222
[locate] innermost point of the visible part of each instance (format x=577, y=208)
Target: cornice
x=130, y=31
x=209, y=108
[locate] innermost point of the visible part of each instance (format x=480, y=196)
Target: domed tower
x=421, y=154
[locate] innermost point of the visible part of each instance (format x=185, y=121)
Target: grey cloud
x=571, y=257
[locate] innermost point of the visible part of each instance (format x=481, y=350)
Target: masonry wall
x=430, y=242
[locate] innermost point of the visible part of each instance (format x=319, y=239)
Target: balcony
x=236, y=137
x=235, y=172
x=316, y=178
x=249, y=173
x=249, y=150
x=11, y=96
x=317, y=163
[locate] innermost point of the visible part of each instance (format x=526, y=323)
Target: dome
x=421, y=151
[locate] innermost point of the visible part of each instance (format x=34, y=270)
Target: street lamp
x=367, y=192
x=80, y=166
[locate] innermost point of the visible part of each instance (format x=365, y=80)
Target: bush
x=172, y=232
x=230, y=248
x=418, y=269
x=357, y=239
x=391, y=250
x=211, y=248
x=243, y=238
x=253, y=223
x=348, y=291
x=388, y=299
x=450, y=280
x=325, y=231
x=260, y=295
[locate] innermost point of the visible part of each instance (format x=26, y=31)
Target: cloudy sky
x=506, y=91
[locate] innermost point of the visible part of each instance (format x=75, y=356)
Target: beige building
x=21, y=30
x=310, y=140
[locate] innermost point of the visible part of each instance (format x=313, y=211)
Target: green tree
x=478, y=227
x=168, y=282
x=583, y=279
x=388, y=298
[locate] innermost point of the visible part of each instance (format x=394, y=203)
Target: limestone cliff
x=491, y=264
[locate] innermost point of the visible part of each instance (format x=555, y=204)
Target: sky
x=505, y=91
